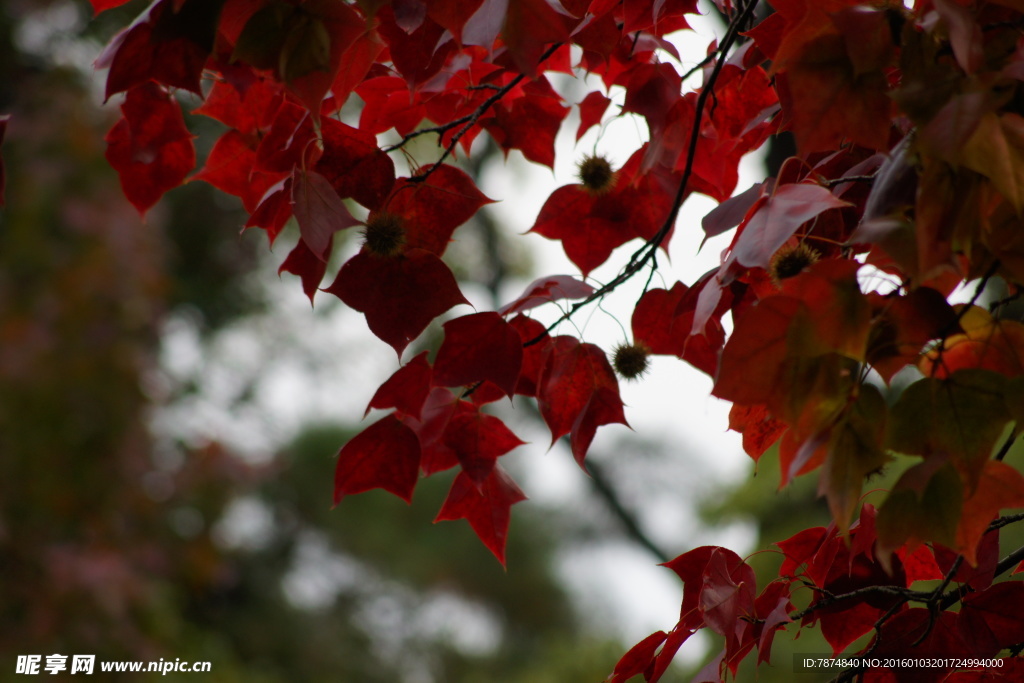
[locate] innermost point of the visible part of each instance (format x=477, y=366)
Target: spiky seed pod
x=596, y=174
x=631, y=360
x=384, y=234
x=790, y=261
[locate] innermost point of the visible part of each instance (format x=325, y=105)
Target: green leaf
x=961, y=417
x=925, y=505
x=855, y=451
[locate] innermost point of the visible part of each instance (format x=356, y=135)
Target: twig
x=607, y=492
x=471, y=120
x=644, y=254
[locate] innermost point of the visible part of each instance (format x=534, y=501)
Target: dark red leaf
x=479, y=440
x=150, y=148
x=534, y=355
x=434, y=208
x=577, y=392
x=991, y=620
x=406, y=390
x=545, y=290
x=319, y=211
x=485, y=507
x=385, y=455
x=274, y=210
x=229, y=168
x=354, y=165
x=727, y=597
x=303, y=262
x=592, y=108
x=167, y=44
x=400, y=295
x=638, y=658
x=479, y=347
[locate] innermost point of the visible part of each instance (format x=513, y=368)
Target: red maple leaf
x=385, y=455
x=485, y=506
x=150, y=147
x=399, y=295
x=479, y=347
x=577, y=392
x=592, y=224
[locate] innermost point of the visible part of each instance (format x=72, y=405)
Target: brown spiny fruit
x=596, y=174
x=384, y=234
x=630, y=360
x=790, y=261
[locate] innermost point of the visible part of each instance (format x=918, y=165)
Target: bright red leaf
x=486, y=507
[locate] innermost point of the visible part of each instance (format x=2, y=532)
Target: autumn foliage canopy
x=908, y=180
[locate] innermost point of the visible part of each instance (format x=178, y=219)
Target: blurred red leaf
x=308, y=266
x=150, y=147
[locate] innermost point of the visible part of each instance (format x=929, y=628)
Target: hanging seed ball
x=631, y=360
x=384, y=234
x=596, y=174
x=790, y=261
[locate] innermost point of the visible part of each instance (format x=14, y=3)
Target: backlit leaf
x=486, y=507
x=385, y=455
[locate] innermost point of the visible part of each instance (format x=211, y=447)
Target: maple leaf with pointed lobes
x=590, y=226
x=385, y=455
x=478, y=440
x=577, y=392
x=486, y=507
x=150, y=147
x=399, y=295
x=433, y=208
x=307, y=265
x=479, y=347
x=319, y=211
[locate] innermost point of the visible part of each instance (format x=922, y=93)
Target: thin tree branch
x=629, y=521
x=644, y=254
x=469, y=121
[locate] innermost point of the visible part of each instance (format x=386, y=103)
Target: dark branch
x=646, y=253
x=470, y=120
x=629, y=522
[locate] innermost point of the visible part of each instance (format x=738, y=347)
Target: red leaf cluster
x=844, y=352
